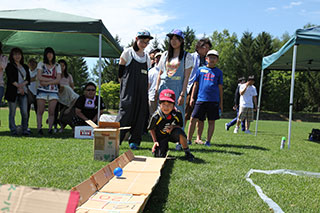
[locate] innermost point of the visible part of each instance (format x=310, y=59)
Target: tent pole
x=100, y=50
x=295, y=47
x=259, y=101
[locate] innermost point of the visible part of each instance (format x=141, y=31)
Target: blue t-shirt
x=209, y=79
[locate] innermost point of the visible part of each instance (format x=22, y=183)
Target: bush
x=110, y=93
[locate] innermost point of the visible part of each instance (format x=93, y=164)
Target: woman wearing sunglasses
x=133, y=75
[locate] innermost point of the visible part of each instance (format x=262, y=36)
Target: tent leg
x=295, y=47
x=100, y=50
x=259, y=101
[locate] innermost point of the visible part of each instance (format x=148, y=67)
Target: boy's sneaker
x=207, y=143
x=248, y=132
x=178, y=147
x=226, y=126
x=236, y=130
x=189, y=156
x=189, y=142
x=133, y=146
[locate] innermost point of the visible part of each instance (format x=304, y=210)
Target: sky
x=125, y=17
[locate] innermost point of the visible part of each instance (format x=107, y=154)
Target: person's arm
x=154, y=138
x=255, y=102
x=122, y=66
x=184, y=87
x=194, y=93
x=221, y=97
x=95, y=119
x=81, y=115
x=244, y=89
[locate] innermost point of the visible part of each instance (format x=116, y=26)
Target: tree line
x=237, y=57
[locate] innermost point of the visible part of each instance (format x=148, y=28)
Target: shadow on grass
x=241, y=146
x=67, y=133
x=160, y=193
x=203, y=150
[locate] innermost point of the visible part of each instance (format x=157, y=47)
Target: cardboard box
x=37, y=200
x=83, y=132
x=106, y=140
x=128, y=193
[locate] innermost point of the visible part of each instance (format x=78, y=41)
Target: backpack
x=314, y=135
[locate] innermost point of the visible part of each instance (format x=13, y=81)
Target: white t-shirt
x=49, y=73
x=128, y=53
x=152, y=79
x=67, y=96
x=33, y=84
x=175, y=60
x=246, y=98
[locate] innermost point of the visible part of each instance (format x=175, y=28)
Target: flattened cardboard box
x=23, y=199
x=128, y=193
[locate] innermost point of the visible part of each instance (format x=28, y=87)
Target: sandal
x=199, y=142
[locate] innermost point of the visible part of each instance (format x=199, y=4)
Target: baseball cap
x=213, y=52
x=250, y=77
x=158, y=54
x=176, y=32
x=167, y=95
x=144, y=34
x=241, y=79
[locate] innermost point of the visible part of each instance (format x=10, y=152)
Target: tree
x=189, y=37
x=155, y=43
x=110, y=93
x=109, y=68
x=226, y=45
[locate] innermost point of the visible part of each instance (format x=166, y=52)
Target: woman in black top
x=18, y=78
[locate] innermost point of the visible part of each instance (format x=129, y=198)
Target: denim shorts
x=47, y=95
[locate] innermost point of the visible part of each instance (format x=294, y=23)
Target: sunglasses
x=90, y=90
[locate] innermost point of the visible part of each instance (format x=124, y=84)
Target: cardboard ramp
x=128, y=193
x=25, y=199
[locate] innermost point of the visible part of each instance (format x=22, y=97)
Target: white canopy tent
x=308, y=59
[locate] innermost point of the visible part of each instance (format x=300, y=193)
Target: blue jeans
x=23, y=105
x=234, y=121
x=1, y=94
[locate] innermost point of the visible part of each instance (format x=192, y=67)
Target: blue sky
x=126, y=17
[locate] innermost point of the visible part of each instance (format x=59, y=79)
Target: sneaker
x=55, y=130
x=189, y=156
x=236, y=130
x=14, y=133
x=178, y=147
x=226, y=126
x=40, y=132
x=133, y=146
x=207, y=143
x=50, y=131
x=248, y=132
x=189, y=142
x=26, y=133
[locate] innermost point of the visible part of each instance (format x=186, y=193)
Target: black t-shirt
x=160, y=121
x=89, y=107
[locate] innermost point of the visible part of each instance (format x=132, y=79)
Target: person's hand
x=168, y=129
x=234, y=107
x=192, y=101
x=21, y=90
x=180, y=100
x=155, y=146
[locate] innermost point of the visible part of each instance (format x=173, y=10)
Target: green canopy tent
x=33, y=30
x=288, y=58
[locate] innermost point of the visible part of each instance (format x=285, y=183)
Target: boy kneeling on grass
x=166, y=125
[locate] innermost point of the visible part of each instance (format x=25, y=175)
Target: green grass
x=215, y=182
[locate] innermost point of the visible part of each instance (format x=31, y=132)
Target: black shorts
x=203, y=109
x=162, y=149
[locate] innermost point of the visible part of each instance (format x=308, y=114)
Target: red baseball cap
x=167, y=95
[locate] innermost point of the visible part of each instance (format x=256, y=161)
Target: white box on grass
x=83, y=132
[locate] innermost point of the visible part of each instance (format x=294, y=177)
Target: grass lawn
x=214, y=182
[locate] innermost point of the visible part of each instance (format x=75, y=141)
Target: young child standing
x=208, y=85
x=166, y=125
